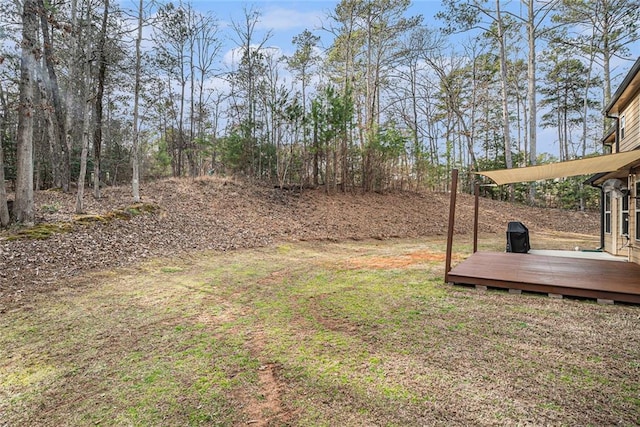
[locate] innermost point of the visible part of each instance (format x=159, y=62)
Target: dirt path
x=265, y=407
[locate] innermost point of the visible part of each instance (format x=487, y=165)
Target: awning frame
x=601, y=167
x=608, y=163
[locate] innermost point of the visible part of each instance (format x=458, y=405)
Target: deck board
x=618, y=281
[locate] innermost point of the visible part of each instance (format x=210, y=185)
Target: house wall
x=612, y=239
x=615, y=242
x=631, y=114
x=634, y=206
x=626, y=102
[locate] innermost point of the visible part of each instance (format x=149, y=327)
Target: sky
x=286, y=19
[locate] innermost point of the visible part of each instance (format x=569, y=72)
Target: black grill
x=517, y=238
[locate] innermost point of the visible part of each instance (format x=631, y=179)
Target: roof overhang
x=609, y=137
x=610, y=165
x=626, y=91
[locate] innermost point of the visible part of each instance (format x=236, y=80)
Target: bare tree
x=206, y=48
x=24, y=208
x=503, y=85
x=60, y=156
x=474, y=14
x=536, y=16
x=302, y=63
x=5, y=219
x=247, y=81
x=86, y=117
x=102, y=74
x=135, y=158
x=74, y=77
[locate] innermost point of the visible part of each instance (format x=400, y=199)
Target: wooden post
x=476, y=192
x=452, y=217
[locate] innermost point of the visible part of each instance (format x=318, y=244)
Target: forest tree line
x=93, y=93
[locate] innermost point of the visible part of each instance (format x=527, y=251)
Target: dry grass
x=351, y=333
x=184, y=215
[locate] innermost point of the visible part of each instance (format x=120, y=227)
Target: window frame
x=607, y=212
x=624, y=215
x=623, y=125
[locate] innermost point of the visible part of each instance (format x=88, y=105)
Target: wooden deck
x=598, y=279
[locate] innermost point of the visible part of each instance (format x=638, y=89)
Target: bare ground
x=223, y=214
x=297, y=348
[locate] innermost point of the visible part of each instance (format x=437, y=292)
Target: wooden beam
x=476, y=192
x=452, y=218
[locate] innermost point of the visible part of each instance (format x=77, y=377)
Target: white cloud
x=278, y=18
x=217, y=84
x=232, y=57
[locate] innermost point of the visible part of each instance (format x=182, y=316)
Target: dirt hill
x=223, y=214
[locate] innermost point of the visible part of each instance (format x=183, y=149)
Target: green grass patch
x=46, y=230
x=171, y=269
x=40, y=231
x=311, y=334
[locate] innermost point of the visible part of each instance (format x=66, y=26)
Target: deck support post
x=452, y=216
x=476, y=192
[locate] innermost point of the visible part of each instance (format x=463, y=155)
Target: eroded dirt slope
x=219, y=214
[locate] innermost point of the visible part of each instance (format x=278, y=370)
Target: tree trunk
x=5, y=217
x=585, y=111
x=85, y=146
x=531, y=95
x=191, y=149
x=505, y=104
x=560, y=136
x=83, y=159
x=606, y=61
x=24, y=209
x=316, y=154
x=86, y=125
x=102, y=73
x=74, y=76
x=327, y=157
x=135, y=178
x=60, y=156
x=417, y=149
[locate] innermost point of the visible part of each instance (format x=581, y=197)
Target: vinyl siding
x=634, y=244
x=614, y=242
x=631, y=114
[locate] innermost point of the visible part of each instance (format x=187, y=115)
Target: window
x=624, y=215
x=637, y=206
x=623, y=122
x=607, y=212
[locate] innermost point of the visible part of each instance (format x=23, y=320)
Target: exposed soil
x=223, y=214
x=264, y=407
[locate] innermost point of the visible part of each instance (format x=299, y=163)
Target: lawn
x=314, y=334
